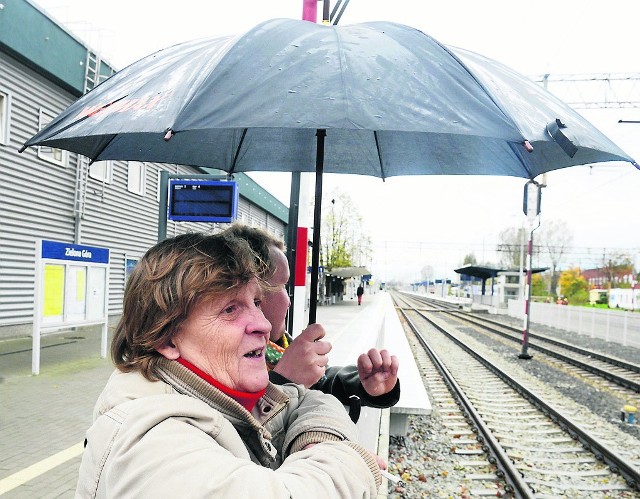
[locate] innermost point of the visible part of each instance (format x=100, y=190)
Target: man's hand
x=305, y=359
x=378, y=371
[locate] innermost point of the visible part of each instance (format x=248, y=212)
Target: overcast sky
x=436, y=220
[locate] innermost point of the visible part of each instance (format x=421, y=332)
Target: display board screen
x=203, y=201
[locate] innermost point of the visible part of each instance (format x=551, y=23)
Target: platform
x=353, y=330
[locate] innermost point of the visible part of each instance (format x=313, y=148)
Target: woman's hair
x=165, y=285
x=260, y=242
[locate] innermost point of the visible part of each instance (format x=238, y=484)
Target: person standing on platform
x=359, y=293
x=303, y=360
x=189, y=410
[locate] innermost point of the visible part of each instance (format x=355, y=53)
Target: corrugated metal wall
x=37, y=201
x=125, y=222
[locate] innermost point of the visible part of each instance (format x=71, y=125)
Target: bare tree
x=555, y=238
x=470, y=259
x=344, y=243
x=512, y=247
x=616, y=267
x=427, y=273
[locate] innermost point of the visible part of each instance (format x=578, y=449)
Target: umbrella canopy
x=377, y=98
x=348, y=272
x=393, y=100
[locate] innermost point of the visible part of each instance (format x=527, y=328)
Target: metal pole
x=325, y=12
x=531, y=208
x=162, y=207
x=296, y=220
x=336, y=20
x=521, y=272
x=525, y=333
x=317, y=219
x=292, y=242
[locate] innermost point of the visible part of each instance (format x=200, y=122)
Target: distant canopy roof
x=487, y=272
x=347, y=272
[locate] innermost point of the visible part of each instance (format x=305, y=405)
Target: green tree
x=616, y=268
x=554, y=238
x=574, y=286
x=538, y=286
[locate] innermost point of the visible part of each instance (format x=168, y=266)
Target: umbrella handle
x=554, y=130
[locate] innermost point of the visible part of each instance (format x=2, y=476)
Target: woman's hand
x=382, y=464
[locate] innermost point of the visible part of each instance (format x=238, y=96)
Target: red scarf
x=246, y=399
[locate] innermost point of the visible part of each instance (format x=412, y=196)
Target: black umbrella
x=378, y=98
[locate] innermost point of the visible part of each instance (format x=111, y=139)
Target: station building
x=504, y=285
x=53, y=195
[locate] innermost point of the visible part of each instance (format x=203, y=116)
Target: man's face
x=275, y=303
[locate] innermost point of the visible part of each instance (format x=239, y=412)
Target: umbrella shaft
x=317, y=219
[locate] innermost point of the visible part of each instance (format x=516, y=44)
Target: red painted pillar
x=310, y=10
x=301, y=257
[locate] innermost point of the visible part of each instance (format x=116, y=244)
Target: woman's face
x=226, y=338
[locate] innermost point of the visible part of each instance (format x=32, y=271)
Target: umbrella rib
x=102, y=149
x=375, y=135
x=237, y=154
x=483, y=87
x=88, y=115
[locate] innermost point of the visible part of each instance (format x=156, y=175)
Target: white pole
x=531, y=207
x=305, y=219
x=521, y=277
x=524, y=352
x=37, y=311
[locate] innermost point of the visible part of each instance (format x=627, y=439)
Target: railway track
x=513, y=438
x=609, y=372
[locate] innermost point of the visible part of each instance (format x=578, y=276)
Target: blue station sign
x=55, y=250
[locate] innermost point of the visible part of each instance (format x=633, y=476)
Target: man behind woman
x=373, y=380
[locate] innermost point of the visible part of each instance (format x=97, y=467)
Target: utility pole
x=531, y=208
x=299, y=218
x=299, y=223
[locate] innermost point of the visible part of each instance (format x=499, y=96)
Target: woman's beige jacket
x=181, y=437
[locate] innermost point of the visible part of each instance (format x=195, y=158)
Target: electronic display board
x=202, y=201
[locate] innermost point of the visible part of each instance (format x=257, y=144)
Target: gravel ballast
x=424, y=458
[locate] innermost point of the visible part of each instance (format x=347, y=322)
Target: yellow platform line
x=35, y=470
